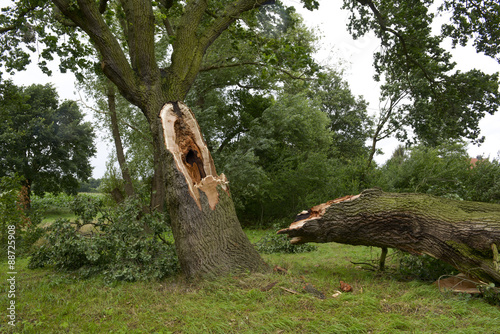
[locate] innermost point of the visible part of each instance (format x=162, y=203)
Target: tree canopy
x=45, y=141
x=435, y=100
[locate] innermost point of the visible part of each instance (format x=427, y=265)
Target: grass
x=50, y=217
x=58, y=206
x=50, y=302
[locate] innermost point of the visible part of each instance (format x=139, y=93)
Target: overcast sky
x=336, y=46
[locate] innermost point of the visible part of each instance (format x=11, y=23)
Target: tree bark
x=208, y=236
x=25, y=195
x=463, y=234
x=120, y=154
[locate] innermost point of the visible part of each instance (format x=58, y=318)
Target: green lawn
x=48, y=302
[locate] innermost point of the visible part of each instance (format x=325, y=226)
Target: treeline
x=286, y=159
x=274, y=182
x=445, y=170
x=90, y=186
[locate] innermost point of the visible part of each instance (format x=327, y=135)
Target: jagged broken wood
x=464, y=234
x=184, y=140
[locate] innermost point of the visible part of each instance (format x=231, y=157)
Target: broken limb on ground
x=462, y=233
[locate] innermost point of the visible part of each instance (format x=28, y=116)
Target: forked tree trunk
x=463, y=234
x=208, y=236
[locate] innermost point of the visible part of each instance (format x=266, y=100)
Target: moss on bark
x=458, y=232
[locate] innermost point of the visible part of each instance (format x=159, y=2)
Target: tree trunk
x=464, y=234
x=120, y=154
x=25, y=195
x=208, y=236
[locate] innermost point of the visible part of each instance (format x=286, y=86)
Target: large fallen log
x=464, y=234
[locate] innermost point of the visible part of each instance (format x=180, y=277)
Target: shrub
x=423, y=267
x=123, y=244
x=276, y=243
x=51, y=203
x=483, y=182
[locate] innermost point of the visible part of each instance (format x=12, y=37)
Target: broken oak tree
x=208, y=236
x=464, y=234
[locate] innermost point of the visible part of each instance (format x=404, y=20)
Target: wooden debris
x=280, y=270
x=345, y=287
x=460, y=283
x=268, y=287
x=289, y=290
x=462, y=233
x=336, y=294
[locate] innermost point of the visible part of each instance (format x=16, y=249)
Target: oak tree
x=45, y=141
x=426, y=92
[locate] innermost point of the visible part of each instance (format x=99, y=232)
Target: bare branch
x=165, y=5
x=140, y=28
x=168, y=27
x=231, y=13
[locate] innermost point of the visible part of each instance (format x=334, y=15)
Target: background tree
x=46, y=142
x=440, y=170
x=440, y=103
x=349, y=121
x=476, y=20
x=282, y=162
x=90, y=186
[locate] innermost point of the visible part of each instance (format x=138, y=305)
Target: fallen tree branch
x=289, y=290
x=461, y=233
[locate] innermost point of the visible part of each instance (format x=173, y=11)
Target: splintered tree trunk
x=464, y=234
x=208, y=236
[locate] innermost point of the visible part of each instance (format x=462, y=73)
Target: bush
x=483, y=182
x=51, y=203
x=15, y=218
x=438, y=171
x=278, y=243
x=423, y=267
x=123, y=244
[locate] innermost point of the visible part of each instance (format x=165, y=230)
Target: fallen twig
x=289, y=290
